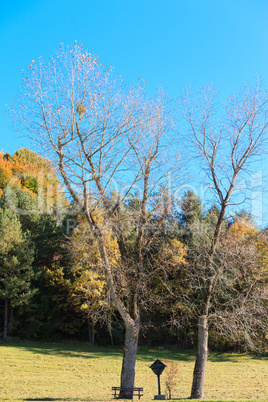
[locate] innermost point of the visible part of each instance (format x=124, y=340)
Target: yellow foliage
x=85, y=248
x=242, y=230
x=172, y=254
x=243, y=234
x=90, y=287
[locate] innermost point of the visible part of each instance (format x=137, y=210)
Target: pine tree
x=191, y=208
x=16, y=257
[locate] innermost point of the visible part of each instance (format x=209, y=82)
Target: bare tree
x=240, y=310
x=226, y=140
x=108, y=142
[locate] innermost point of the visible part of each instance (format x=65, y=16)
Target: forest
x=51, y=288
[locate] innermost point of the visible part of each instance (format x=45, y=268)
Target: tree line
x=138, y=254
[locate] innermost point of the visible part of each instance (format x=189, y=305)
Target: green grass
x=51, y=371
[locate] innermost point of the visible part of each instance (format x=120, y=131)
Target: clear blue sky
x=169, y=43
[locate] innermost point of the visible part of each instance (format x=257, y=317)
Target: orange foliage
x=31, y=172
x=5, y=171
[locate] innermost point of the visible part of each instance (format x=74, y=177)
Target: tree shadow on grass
x=170, y=354
x=53, y=399
x=223, y=357
x=86, y=351
x=44, y=399
x=180, y=355
x=67, y=350
x=217, y=400
x=184, y=355
x=234, y=357
x=259, y=357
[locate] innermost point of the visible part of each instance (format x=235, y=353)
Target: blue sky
x=169, y=43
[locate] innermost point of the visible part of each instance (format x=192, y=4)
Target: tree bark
x=201, y=359
x=91, y=333
x=129, y=359
x=11, y=321
x=5, y=320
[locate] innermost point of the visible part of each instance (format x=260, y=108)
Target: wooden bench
x=134, y=391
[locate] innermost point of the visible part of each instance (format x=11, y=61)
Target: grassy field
x=51, y=371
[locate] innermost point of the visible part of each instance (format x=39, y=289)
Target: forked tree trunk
x=129, y=359
x=201, y=359
x=5, y=320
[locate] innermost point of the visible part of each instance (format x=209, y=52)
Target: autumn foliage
x=32, y=173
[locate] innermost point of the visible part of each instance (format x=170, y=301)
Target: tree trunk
x=5, y=320
x=201, y=359
x=264, y=342
x=129, y=359
x=91, y=333
x=11, y=321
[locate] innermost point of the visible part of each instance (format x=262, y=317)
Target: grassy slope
x=30, y=370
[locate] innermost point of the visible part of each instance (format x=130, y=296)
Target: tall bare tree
x=107, y=141
x=226, y=140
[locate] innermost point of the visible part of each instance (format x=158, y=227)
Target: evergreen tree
x=191, y=209
x=30, y=191
x=16, y=257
